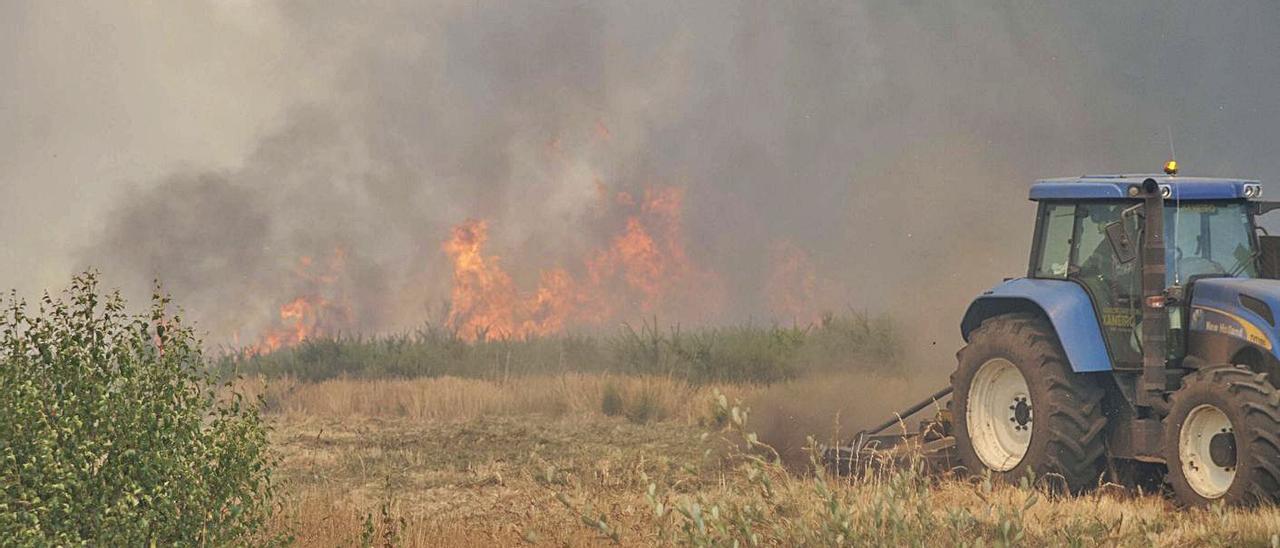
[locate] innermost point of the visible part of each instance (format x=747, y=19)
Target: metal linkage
x=906, y=413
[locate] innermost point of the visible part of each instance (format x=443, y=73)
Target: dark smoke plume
x=891, y=141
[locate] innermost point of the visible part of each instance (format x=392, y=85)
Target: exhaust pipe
x=1153, y=384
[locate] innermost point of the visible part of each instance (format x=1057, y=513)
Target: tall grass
x=746, y=354
x=639, y=399
x=427, y=352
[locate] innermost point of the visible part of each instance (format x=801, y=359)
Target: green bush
x=838, y=341
x=611, y=403
x=112, y=434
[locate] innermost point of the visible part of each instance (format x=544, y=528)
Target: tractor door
x=1114, y=282
x=1073, y=245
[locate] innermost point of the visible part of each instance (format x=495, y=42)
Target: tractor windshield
x=1208, y=238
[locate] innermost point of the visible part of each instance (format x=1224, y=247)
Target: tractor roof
x=1097, y=187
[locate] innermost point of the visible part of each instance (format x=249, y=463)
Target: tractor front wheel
x=1222, y=438
x=1018, y=406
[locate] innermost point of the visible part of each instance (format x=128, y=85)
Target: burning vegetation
x=642, y=270
x=321, y=308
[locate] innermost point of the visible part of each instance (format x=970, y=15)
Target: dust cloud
x=831, y=409
x=249, y=155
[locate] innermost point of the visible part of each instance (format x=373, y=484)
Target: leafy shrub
x=111, y=432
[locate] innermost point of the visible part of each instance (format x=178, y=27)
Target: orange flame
x=643, y=270
x=311, y=314
x=484, y=296
x=300, y=321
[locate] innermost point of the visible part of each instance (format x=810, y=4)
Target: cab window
x=1057, y=223
x=1206, y=238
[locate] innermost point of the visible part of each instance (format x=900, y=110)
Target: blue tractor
x=1142, y=346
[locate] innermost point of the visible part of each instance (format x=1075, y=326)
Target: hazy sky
x=100, y=98
x=211, y=143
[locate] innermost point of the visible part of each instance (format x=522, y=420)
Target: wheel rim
x=999, y=415
x=1206, y=447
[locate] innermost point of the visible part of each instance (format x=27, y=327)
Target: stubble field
x=594, y=459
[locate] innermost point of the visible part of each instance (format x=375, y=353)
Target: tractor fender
x=1064, y=303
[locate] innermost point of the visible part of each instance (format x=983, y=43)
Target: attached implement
x=1143, y=337
x=931, y=442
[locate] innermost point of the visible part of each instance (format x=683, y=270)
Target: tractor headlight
x=1166, y=191
x=1252, y=191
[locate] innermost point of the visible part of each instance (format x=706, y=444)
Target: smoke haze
x=247, y=154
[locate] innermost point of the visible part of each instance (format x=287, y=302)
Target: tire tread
x=1259, y=403
x=1072, y=417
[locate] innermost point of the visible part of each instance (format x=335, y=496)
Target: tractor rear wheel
x=1018, y=406
x=1222, y=438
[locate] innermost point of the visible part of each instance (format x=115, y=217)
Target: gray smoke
x=891, y=140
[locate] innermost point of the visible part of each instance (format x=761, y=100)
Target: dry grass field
x=450, y=462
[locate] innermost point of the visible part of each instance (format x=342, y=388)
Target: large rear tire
x=1018, y=406
x=1222, y=438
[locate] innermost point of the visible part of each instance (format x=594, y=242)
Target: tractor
x=1141, y=347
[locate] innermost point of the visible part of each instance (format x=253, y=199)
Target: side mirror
x=1121, y=242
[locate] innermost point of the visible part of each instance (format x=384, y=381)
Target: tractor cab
x=1089, y=231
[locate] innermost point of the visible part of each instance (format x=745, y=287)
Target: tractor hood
x=1240, y=308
